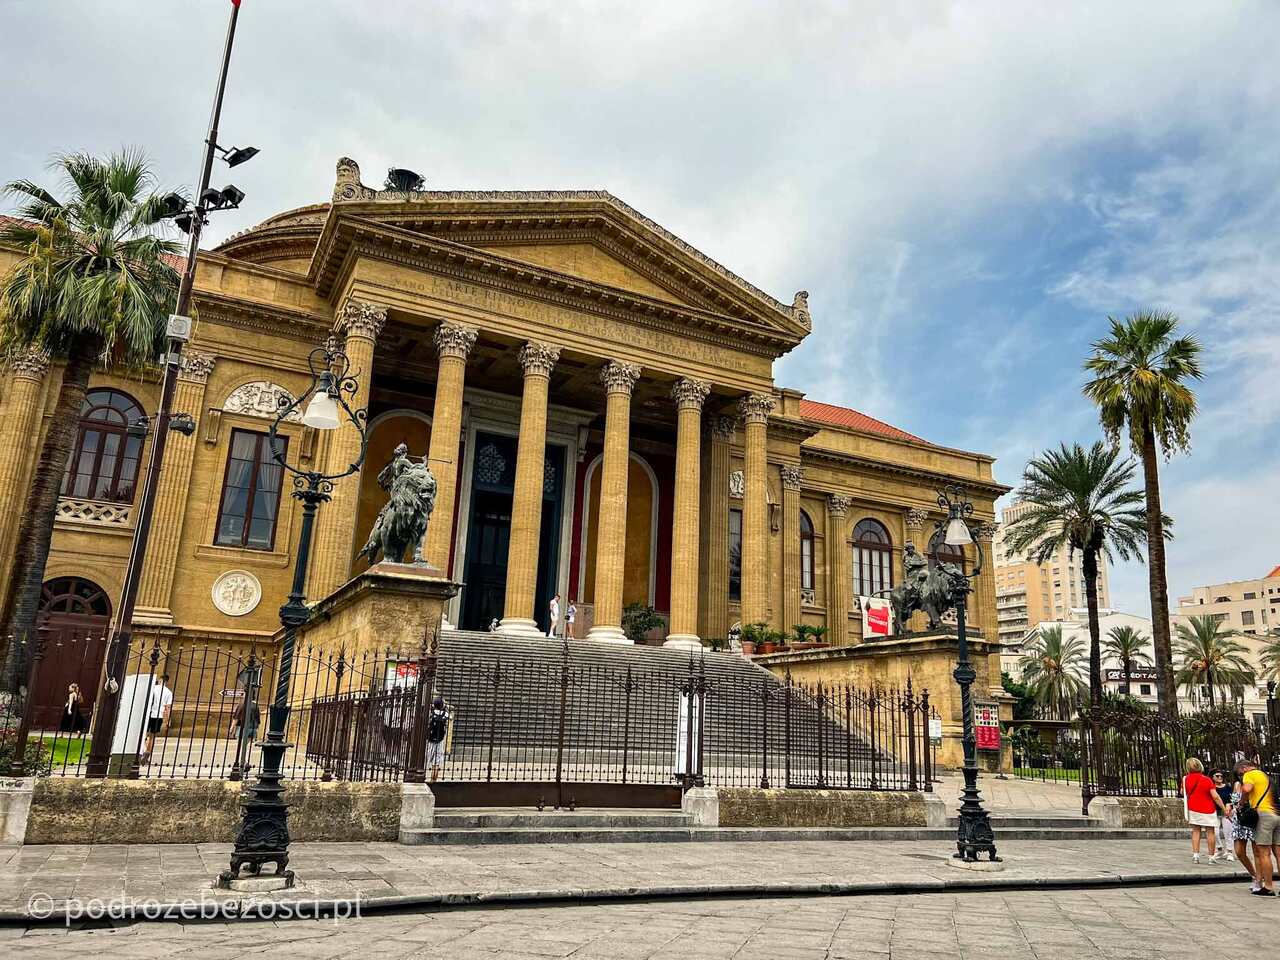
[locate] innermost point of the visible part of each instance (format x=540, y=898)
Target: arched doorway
x=77, y=615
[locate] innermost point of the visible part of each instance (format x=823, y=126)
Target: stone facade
x=585, y=386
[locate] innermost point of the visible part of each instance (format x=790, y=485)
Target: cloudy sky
x=966, y=190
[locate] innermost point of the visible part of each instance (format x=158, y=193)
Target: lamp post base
x=264, y=825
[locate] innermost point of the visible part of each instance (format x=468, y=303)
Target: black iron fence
x=578, y=727
x=1124, y=752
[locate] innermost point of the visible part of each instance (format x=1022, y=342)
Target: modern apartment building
x=1028, y=593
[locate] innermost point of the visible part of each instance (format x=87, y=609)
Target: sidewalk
x=386, y=875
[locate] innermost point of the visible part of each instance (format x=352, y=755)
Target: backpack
x=437, y=726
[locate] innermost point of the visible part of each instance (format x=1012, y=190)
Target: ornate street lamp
x=974, y=834
x=264, y=828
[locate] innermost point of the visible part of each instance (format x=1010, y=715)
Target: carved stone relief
x=236, y=593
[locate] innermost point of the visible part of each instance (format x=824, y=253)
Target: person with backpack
x=1258, y=813
x=437, y=730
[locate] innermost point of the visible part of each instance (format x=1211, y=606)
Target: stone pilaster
x=156, y=587
x=839, y=574
x=982, y=604
x=913, y=520
x=611, y=532
x=792, y=479
x=755, y=409
x=453, y=345
x=537, y=360
x=19, y=423
x=358, y=324
x=689, y=396
x=713, y=581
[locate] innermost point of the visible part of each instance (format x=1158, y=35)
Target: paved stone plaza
x=1152, y=922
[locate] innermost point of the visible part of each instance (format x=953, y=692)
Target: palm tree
x=1212, y=657
x=1051, y=670
x=92, y=285
x=1140, y=375
x=1127, y=645
x=1269, y=656
x=1080, y=499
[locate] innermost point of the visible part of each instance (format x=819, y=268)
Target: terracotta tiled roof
x=1273, y=573
x=852, y=420
x=177, y=261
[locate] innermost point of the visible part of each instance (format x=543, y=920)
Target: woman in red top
x=1202, y=804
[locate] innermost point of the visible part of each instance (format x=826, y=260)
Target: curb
x=264, y=908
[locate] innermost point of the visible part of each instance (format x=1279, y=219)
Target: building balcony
x=95, y=513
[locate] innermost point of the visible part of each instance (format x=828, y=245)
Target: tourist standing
x=554, y=610
x=1242, y=835
x=1226, y=828
x=570, y=615
x=73, y=718
x=1202, y=805
x=1258, y=813
x=437, y=729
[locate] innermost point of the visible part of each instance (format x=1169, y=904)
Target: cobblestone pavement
x=1016, y=796
x=388, y=872
x=1154, y=922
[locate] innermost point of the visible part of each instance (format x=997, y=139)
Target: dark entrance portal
x=489, y=531
x=75, y=614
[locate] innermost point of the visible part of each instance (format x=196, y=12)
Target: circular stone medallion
x=236, y=592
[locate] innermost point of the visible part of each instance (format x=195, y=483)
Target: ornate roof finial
x=347, y=185
x=800, y=309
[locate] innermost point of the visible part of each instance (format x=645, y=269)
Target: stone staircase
x=505, y=696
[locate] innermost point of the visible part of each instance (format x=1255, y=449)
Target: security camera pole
x=179, y=331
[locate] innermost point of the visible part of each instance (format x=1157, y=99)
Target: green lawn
x=66, y=750
x=1047, y=773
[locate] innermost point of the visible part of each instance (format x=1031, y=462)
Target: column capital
x=538, y=359
x=29, y=364
x=792, y=475
x=361, y=319
x=719, y=428
x=915, y=519
x=756, y=407
x=619, y=377
x=196, y=366
x=838, y=504
x=689, y=393
x=454, y=339
x=986, y=532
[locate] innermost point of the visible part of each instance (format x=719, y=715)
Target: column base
x=686, y=640
x=607, y=634
x=520, y=627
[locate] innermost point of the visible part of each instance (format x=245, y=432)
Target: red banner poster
x=986, y=723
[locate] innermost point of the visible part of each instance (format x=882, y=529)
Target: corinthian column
x=156, y=588
x=359, y=323
x=839, y=583
x=611, y=522
x=538, y=360
x=792, y=478
x=683, y=629
x=983, y=605
x=713, y=588
x=755, y=410
x=453, y=344
x=18, y=426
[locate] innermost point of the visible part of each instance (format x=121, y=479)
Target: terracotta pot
x=768, y=647
x=748, y=648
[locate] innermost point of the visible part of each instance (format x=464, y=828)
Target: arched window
x=72, y=595
x=872, y=558
x=806, y=552
x=104, y=460
x=942, y=552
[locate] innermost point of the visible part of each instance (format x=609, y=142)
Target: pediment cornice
x=348, y=237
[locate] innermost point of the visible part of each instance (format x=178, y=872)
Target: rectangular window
x=1246, y=617
x=250, y=492
x=735, y=555
x=1251, y=596
x=1144, y=689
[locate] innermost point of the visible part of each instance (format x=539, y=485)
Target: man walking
x=159, y=703
x=1259, y=800
x=554, y=609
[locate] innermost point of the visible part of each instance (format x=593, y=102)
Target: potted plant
x=756, y=639
x=638, y=619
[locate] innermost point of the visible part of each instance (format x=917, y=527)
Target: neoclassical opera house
x=667, y=467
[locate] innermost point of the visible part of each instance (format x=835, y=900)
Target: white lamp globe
x=958, y=533
x=322, y=412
